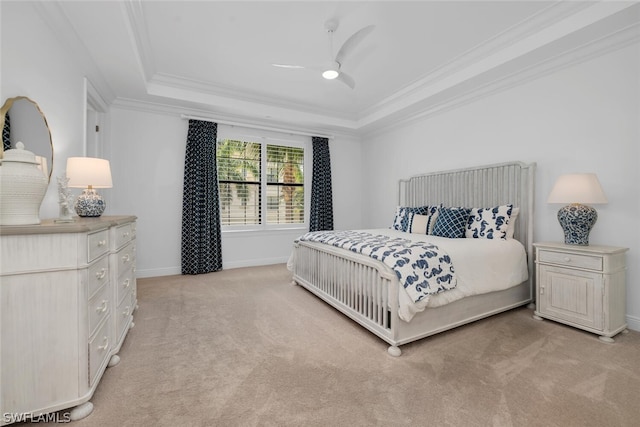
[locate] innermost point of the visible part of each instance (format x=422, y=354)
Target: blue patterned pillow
x=403, y=217
x=489, y=223
x=451, y=222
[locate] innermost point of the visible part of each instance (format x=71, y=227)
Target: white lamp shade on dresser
x=89, y=173
x=86, y=172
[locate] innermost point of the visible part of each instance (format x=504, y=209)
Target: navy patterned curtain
x=201, y=239
x=321, y=215
x=6, y=132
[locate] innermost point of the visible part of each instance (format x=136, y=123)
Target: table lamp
x=89, y=173
x=577, y=219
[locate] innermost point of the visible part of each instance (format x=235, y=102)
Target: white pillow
x=511, y=226
x=422, y=224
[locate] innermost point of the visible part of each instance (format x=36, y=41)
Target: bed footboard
x=366, y=291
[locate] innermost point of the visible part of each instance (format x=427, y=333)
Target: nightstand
x=582, y=286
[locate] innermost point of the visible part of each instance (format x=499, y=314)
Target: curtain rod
x=225, y=122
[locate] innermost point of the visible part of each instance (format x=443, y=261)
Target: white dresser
x=582, y=286
x=67, y=296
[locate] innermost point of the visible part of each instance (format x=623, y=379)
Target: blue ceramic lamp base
x=89, y=203
x=576, y=221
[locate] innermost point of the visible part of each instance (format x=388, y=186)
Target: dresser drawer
x=123, y=317
x=98, y=308
x=98, y=275
x=98, y=244
x=125, y=283
x=99, y=349
x=124, y=234
x=126, y=258
x=571, y=260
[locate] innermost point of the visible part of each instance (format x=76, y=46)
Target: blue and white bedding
x=422, y=268
x=481, y=266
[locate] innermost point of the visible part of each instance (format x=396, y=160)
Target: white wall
x=147, y=160
x=37, y=65
x=585, y=118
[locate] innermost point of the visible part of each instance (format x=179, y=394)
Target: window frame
x=265, y=138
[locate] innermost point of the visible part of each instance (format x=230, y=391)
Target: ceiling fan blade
x=301, y=67
x=352, y=42
x=288, y=66
x=346, y=79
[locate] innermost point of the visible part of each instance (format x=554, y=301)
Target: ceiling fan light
x=330, y=74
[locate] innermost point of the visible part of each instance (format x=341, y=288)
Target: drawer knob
x=125, y=234
x=100, y=274
x=102, y=307
x=105, y=345
x=567, y=259
x=126, y=312
x=126, y=258
x=126, y=283
x=102, y=243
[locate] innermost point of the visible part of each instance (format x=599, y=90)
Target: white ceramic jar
x=22, y=187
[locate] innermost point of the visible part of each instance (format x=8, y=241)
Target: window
x=260, y=183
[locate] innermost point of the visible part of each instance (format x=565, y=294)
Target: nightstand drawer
x=571, y=260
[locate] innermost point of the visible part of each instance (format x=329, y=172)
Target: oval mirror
x=21, y=119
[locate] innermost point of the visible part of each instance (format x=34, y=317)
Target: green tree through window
x=247, y=170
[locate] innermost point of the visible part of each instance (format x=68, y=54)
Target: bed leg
x=394, y=351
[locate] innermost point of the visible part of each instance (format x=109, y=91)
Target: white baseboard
x=155, y=272
x=633, y=323
x=171, y=271
x=254, y=262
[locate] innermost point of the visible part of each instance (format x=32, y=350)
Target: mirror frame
x=5, y=109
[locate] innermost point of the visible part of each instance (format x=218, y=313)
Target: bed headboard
x=477, y=187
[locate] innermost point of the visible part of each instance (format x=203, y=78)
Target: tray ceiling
x=215, y=57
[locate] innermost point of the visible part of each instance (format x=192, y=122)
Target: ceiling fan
x=332, y=69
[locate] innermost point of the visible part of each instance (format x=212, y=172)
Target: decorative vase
x=22, y=187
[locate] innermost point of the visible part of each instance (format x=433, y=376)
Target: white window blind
x=261, y=183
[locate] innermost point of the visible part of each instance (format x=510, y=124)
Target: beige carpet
x=244, y=347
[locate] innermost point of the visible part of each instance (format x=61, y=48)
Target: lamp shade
x=577, y=188
x=86, y=172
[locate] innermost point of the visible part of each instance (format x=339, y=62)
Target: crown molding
x=177, y=111
x=133, y=13
x=592, y=49
x=510, y=36
x=160, y=81
x=464, y=69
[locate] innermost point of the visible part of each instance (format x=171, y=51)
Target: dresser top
x=49, y=226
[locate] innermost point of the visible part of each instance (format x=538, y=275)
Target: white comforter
x=481, y=266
